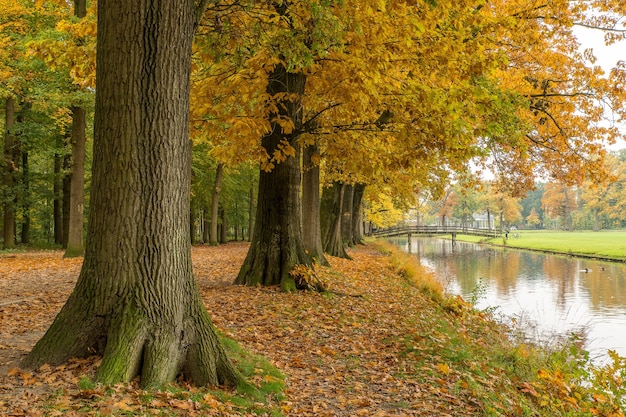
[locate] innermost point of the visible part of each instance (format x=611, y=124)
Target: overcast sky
x=607, y=57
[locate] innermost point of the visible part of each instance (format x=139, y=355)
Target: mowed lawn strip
x=603, y=244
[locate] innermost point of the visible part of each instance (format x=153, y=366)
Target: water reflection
x=556, y=293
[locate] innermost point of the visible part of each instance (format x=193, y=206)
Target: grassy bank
x=514, y=378
x=603, y=245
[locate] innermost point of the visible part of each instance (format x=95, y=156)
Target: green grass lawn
x=604, y=244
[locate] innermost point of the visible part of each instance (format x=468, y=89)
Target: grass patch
x=603, y=244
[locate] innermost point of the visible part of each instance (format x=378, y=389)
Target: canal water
x=546, y=295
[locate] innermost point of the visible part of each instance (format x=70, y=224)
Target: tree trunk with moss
x=136, y=302
x=277, y=244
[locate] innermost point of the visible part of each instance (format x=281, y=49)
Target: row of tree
x=363, y=100
x=554, y=204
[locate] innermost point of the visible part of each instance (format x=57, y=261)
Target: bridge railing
x=434, y=230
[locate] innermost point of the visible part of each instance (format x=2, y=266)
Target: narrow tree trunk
x=67, y=192
x=25, y=199
x=224, y=229
x=357, y=214
x=57, y=190
x=205, y=221
x=136, y=301
x=311, y=229
x=10, y=171
x=77, y=185
x=193, y=230
x=331, y=210
x=346, y=216
x=251, y=207
x=277, y=245
x=215, y=203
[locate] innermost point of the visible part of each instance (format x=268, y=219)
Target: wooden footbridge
x=434, y=230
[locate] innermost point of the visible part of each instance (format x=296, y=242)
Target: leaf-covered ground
x=372, y=346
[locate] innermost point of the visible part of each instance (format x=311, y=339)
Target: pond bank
x=607, y=246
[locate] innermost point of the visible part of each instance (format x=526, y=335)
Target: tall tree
x=77, y=174
x=136, y=301
x=215, y=203
x=277, y=245
x=311, y=229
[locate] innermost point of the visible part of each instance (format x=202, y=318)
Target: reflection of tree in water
x=606, y=284
x=467, y=264
x=562, y=272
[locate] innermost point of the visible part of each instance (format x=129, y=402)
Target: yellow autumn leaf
x=443, y=368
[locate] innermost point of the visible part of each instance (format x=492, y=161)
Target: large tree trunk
x=136, y=301
x=10, y=172
x=277, y=245
x=77, y=185
x=311, y=229
x=330, y=212
x=215, y=203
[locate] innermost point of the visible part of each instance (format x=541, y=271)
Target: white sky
x=607, y=58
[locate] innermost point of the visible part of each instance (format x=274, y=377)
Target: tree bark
x=331, y=210
x=74, y=245
x=346, y=216
x=205, y=222
x=67, y=192
x=193, y=230
x=58, y=196
x=215, y=203
x=357, y=214
x=224, y=228
x=251, y=207
x=136, y=301
x=277, y=245
x=311, y=229
x=10, y=172
x=74, y=239
x=25, y=199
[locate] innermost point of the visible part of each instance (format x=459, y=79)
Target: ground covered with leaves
x=380, y=342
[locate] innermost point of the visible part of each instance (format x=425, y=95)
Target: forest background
x=399, y=98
